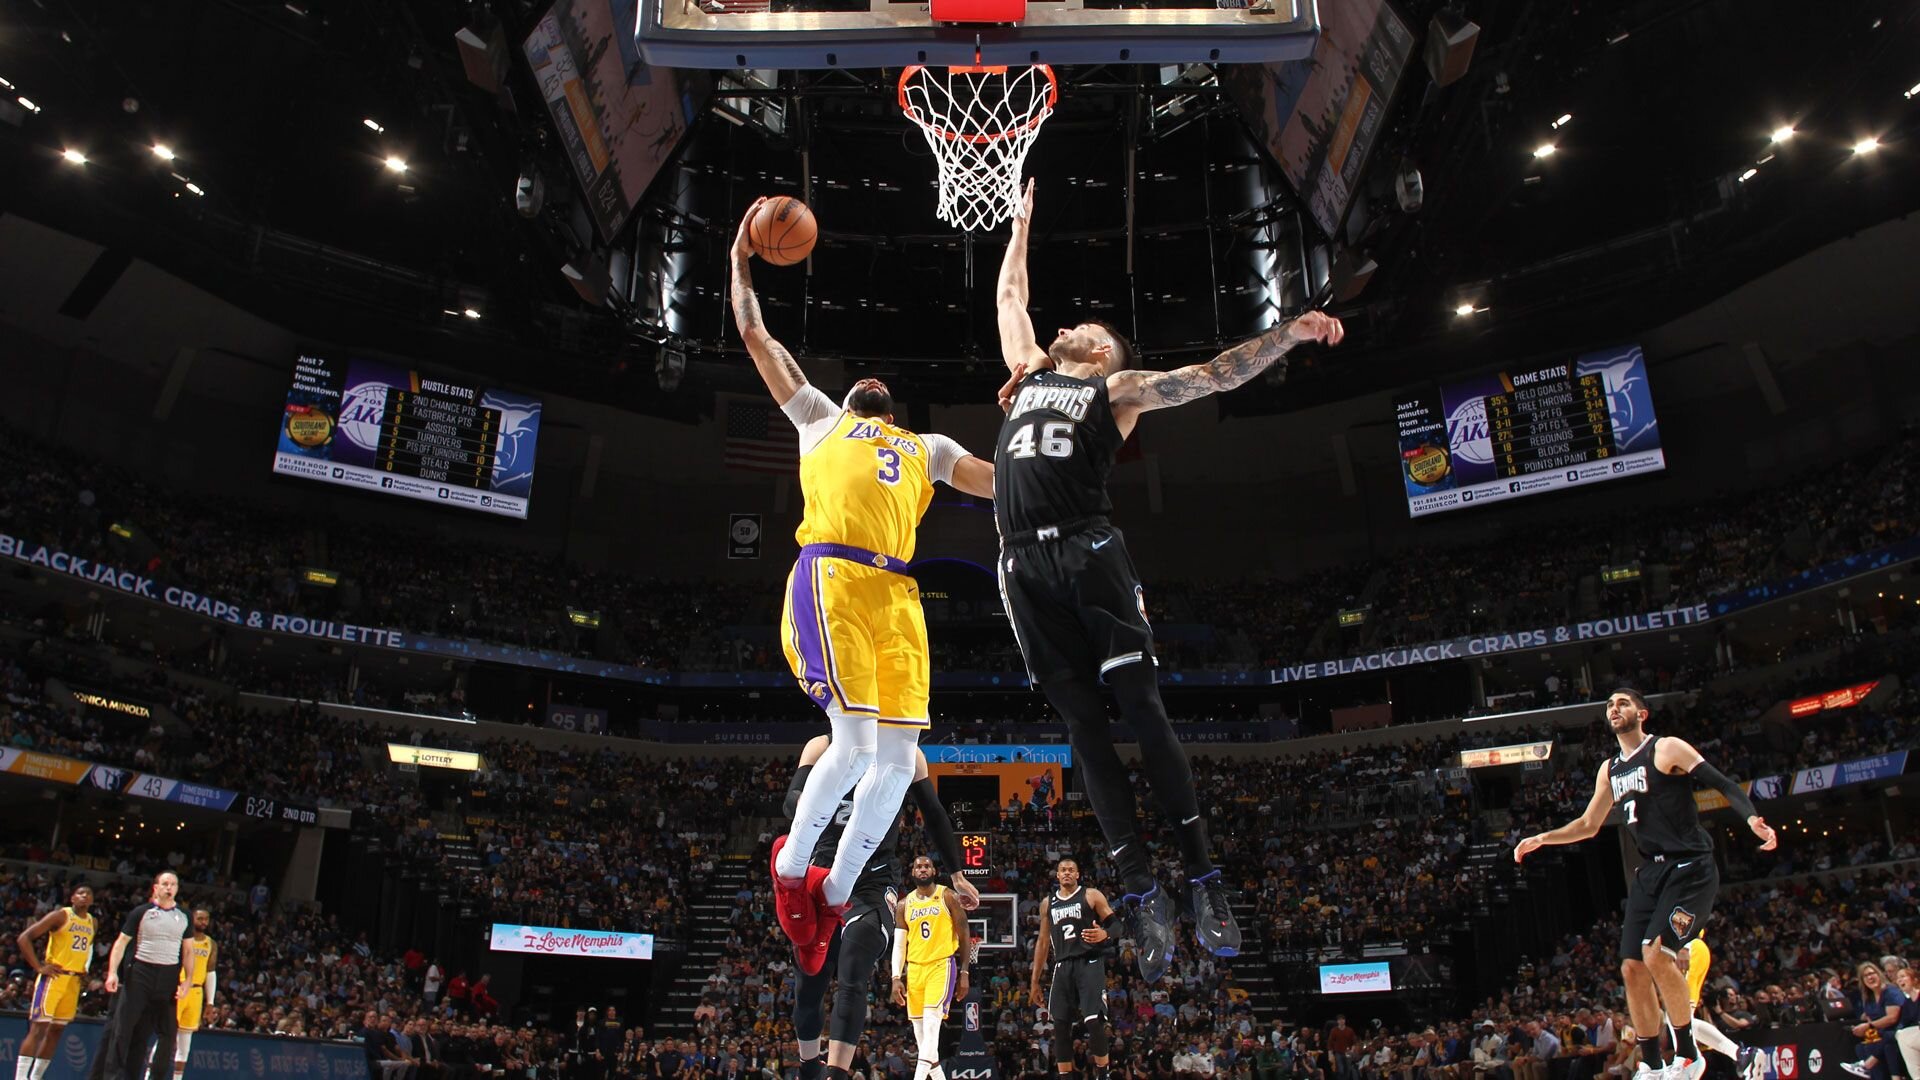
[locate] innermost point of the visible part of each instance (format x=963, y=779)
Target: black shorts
x=1078, y=993
x=1076, y=604
x=1668, y=901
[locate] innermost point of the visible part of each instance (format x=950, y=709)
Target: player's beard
x=922, y=882
x=867, y=401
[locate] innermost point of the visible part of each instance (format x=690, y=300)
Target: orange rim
x=1053, y=98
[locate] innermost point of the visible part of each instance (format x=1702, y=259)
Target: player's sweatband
x=1724, y=784
x=794, y=787
x=1111, y=924
x=939, y=826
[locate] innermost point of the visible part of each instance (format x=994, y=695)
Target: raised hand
x=1316, y=326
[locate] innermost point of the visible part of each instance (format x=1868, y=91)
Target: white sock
x=844, y=763
x=876, y=805
x=22, y=1066
x=1712, y=1038
x=40, y=1067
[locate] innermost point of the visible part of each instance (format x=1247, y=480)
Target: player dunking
x=59, y=973
x=1075, y=923
x=851, y=627
x=932, y=947
x=1076, y=604
x=855, y=951
x=1652, y=780
x=200, y=983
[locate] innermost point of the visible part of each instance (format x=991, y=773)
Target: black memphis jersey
x=879, y=873
x=1067, y=920
x=1056, y=449
x=1656, y=808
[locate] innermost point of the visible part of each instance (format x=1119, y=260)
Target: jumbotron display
x=368, y=425
x=1507, y=434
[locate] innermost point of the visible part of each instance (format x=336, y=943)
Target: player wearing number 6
x=851, y=626
x=1652, y=781
x=932, y=947
x=1075, y=601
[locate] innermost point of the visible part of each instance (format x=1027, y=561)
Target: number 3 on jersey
x=1056, y=440
x=889, y=465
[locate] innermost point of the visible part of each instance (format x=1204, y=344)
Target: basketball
x=783, y=231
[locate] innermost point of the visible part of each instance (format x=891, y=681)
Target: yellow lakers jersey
x=71, y=946
x=866, y=484
x=930, y=933
x=201, y=950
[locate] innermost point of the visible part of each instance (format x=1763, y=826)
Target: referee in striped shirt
x=147, y=988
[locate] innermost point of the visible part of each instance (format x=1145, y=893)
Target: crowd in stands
x=519, y=597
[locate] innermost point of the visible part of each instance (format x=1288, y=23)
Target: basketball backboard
x=726, y=34
x=996, y=922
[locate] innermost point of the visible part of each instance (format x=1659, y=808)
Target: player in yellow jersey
x=932, y=945
x=851, y=628
x=62, y=970
x=1693, y=962
x=200, y=981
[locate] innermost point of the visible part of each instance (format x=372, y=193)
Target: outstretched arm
x=1677, y=757
x=776, y=365
x=1017, y=345
x=1581, y=828
x=1134, y=392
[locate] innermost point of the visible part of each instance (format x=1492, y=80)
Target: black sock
x=811, y=1068
x=835, y=1072
x=1650, y=1053
x=1683, y=1041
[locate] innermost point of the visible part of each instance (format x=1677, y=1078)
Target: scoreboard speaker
x=1450, y=40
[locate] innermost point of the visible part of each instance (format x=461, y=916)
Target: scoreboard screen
x=1517, y=432
x=379, y=428
x=973, y=852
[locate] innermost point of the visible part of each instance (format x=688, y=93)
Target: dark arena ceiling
x=1641, y=212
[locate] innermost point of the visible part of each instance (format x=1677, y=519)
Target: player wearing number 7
x=851, y=626
x=1078, y=611
x=1652, y=780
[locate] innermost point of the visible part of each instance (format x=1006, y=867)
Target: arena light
x=1565, y=119
x=1782, y=133
x=1465, y=310
x=1867, y=145
x=1748, y=175
x=195, y=189
x=1912, y=91
x=163, y=151
x=470, y=313
x=74, y=157
x=27, y=104
x=5, y=85
x=373, y=125
x=1544, y=150
x=398, y=165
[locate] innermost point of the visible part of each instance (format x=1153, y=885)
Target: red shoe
x=793, y=903
x=812, y=955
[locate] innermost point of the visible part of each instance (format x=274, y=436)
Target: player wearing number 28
x=851, y=627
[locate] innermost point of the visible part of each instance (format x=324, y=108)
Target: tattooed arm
x=1135, y=392
x=776, y=365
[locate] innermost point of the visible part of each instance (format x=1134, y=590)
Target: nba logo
x=973, y=1016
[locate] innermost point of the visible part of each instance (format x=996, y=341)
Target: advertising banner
x=556, y=941
x=1355, y=978
x=216, y=1055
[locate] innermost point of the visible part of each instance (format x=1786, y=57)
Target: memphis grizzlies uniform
x=1079, y=990
x=933, y=968
x=851, y=627
x=1675, y=887
x=1070, y=587
x=195, y=1002
x=57, y=997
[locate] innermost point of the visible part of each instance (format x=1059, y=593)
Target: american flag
x=760, y=438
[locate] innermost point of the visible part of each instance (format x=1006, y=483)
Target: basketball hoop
x=980, y=122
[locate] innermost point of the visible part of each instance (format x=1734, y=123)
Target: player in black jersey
x=1652, y=781
x=855, y=950
x=1075, y=923
x=1076, y=604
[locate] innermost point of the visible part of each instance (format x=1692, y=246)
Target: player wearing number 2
x=1074, y=923
x=1075, y=602
x=1652, y=780
x=851, y=627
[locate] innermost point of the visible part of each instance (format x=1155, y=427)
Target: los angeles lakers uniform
x=852, y=628
x=1699, y=958
x=191, y=1006
x=933, y=969
x=57, y=997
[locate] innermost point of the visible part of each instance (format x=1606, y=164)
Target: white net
x=980, y=122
